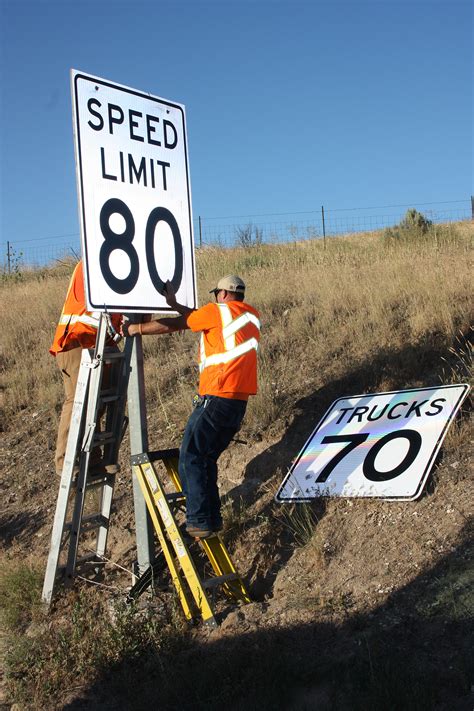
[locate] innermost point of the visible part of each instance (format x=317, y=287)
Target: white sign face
x=134, y=197
x=380, y=445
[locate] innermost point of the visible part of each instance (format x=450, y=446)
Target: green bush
x=415, y=220
x=413, y=226
x=20, y=589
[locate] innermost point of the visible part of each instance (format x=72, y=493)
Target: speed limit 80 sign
x=134, y=196
x=380, y=445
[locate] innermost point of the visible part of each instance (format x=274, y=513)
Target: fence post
x=8, y=257
x=472, y=207
x=324, y=226
x=200, y=232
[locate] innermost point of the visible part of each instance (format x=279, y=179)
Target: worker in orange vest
x=77, y=329
x=230, y=333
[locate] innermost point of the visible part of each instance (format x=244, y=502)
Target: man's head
x=229, y=288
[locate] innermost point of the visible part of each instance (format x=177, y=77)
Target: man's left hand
x=128, y=329
x=170, y=295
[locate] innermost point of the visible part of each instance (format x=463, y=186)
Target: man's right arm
x=157, y=327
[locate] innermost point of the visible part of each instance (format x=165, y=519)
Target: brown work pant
x=68, y=363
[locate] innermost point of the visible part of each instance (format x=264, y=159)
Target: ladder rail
x=96, y=365
x=77, y=417
x=76, y=520
x=164, y=514
x=105, y=510
x=165, y=547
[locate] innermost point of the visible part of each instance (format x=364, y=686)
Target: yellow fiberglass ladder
x=195, y=591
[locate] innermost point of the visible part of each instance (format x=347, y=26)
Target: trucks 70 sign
x=380, y=445
x=134, y=196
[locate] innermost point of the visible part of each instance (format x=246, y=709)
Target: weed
x=20, y=587
x=415, y=220
x=460, y=359
x=74, y=650
x=234, y=518
x=12, y=270
x=300, y=520
x=416, y=229
x=248, y=236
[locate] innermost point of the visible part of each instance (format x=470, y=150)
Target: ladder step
x=89, y=557
x=113, y=355
x=98, y=481
x=89, y=523
x=104, y=437
x=163, y=454
x=177, y=498
x=219, y=580
x=106, y=399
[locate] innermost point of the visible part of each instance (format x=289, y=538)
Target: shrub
x=415, y=220
x=248, y=236
x=413, y=226
x=20, y=588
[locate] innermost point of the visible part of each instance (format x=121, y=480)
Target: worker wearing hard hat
x=230, y=332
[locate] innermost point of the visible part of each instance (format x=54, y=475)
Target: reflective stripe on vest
x=88, y=319
x=230, y=327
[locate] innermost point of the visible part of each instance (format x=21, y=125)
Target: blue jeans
x=212, y=425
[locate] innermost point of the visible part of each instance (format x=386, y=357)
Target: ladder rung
x=83, y=559
x=113, y=355
x=109, y=398
x=219, y=580
x=94, y=482
x=176, y=498
x=104, y=437
x=89, y=523
x=163, y=454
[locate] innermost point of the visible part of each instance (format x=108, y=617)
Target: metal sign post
x=139, y=443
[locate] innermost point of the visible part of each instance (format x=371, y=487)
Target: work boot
x=199, y=532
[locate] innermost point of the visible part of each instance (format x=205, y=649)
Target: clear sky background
x=290, y=104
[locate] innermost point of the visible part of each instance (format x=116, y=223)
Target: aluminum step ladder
x=79, y=537
x=184, y=555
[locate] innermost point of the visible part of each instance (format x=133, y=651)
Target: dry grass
x=357, y=302
x=361, y=312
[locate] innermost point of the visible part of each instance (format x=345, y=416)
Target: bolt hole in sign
x=134, y=196
x=380, y=445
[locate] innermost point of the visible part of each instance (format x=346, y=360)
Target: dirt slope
x=370, y=568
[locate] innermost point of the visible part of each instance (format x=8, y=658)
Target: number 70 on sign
x=380, y=445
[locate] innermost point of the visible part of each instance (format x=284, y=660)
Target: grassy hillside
x=357, y=603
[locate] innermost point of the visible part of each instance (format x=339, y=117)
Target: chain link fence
x=248, y=230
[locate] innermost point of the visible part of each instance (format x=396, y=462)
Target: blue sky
x=290, y=105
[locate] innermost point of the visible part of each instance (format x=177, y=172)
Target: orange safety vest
x=77, y=328
x=228, y=349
